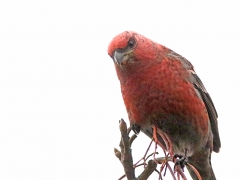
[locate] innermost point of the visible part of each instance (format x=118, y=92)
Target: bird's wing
x=212, y=113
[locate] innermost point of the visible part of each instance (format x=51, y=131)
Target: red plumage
x=160, y=88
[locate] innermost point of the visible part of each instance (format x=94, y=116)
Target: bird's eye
x=131, y=43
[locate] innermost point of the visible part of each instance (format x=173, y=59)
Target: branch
x=125, y=156
x=126, y=152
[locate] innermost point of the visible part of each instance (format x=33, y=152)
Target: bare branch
x=125, y=156
x=126, y=152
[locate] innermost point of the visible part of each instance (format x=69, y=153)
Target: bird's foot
x=180, y=160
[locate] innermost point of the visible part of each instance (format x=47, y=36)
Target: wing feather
x=212, y=113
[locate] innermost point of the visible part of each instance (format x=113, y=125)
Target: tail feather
x=202, y=162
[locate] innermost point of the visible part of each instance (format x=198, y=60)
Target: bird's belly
x=182, y=133
x=186, y=124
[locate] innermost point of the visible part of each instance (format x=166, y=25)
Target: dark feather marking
x=212, y=113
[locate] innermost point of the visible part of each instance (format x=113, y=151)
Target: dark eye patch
x=131, y=42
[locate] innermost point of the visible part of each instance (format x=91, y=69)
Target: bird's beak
x=120, y=57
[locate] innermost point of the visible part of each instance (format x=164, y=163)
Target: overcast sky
x=60, y=98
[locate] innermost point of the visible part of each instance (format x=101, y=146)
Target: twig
x=151, y=166
x=126, y=156
x=179, y=171
x=195, y=171
x=144, y=157
x=126, y=153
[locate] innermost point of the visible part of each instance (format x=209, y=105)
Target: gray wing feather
x=212, y=113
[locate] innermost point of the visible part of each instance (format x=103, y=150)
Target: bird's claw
x=180, y=161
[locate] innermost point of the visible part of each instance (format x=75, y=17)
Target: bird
x=162, y=93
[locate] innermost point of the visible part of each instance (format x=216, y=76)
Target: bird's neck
x=133, y=72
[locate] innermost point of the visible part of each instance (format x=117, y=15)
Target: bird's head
x=121, y=48
x=130, y=48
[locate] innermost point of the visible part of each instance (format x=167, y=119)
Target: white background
x=60, y=99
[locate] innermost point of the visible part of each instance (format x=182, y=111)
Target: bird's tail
x=202, y=162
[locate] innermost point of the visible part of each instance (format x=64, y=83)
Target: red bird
x=161, y=89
